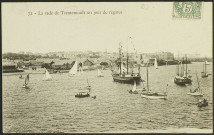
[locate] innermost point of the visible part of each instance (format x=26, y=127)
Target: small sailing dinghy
x=99, y=73
x=135, y=90
x=25, y=85
x=84, y=94
x=156, y=64
x=202, y=103
x=153, y=95
x=197, y=91
x=73, y=71
x=47, y=76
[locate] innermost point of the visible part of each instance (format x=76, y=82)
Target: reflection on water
x=51, y=106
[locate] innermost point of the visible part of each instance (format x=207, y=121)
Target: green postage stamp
x=191, y=10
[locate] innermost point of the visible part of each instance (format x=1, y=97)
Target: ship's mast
x=205, y=66
x=120, y=57
x=127, y=56
x=186, y=65
x=147, y=79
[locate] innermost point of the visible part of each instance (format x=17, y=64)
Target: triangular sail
x=156, y=63
x=134, y=87
x=99, y=73
x=47, y=75
x=27, y=79
x=73, y=70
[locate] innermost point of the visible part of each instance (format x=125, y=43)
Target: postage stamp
x=191, y=10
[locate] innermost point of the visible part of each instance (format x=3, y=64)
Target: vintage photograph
x=107, y=67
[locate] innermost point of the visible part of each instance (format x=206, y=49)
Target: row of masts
x=127, y=57
x=180, y=67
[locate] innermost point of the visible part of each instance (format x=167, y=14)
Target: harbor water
x=51, y=106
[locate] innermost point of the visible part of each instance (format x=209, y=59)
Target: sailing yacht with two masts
x=182, y=77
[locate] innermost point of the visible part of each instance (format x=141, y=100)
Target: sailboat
x=197, y=91
x=47, y=76
x=188, y=79
x=25, y=85
x=202, y=103
x=135, y=90
x=84, y=94
x=124, y=76
x=73, y=71
x=204, y=73
x=99, y=73
x=156, y=64
x=179, y=79
x=207, y=63
x=152, y=95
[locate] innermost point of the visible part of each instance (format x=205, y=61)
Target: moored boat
x=152, y=95
x=124, y=76
x=204, y=73
x=197, y=91
x=202, y=103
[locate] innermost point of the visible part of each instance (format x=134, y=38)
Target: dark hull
x=203, y=104
x=12, y=71
x=204, y=76
x=128, y=80
x=188, y=81
x=179, y=81
x=82, y=96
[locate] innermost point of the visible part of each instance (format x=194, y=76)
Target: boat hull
x=82, y=95
x=180, y=81
x=195, y=94
x=129, y=80
x=153, y=97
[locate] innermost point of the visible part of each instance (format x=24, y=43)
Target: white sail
x=47, y=75
x=26, y=80
x=207, y=63
x=99, y=73
x=134, y=87
x=123, y=69
x=156, y=63
x=73, y=70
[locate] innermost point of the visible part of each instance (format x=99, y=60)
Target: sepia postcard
x=107, y=67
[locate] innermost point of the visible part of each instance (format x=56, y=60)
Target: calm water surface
x=50, y=106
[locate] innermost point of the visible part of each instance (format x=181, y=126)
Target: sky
x=151, y=27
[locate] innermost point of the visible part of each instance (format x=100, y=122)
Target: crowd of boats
x=124, y=73
x=182, y=78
